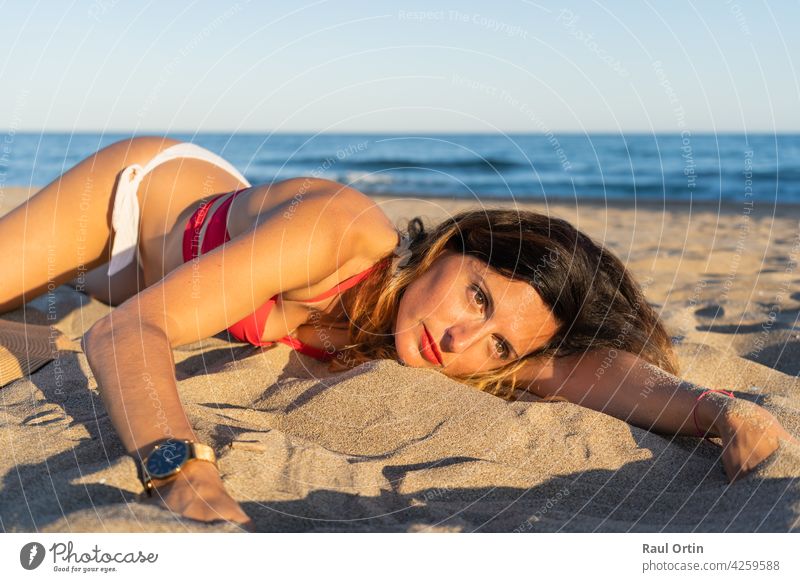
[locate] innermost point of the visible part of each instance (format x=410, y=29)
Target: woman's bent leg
x=64, y=230
x=112, y=290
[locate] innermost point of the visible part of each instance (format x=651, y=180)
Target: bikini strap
x=346, y=284
x=399, y=258
x=210, y=209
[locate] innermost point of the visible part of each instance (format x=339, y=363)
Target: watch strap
x=198, y=451
x=202, y=452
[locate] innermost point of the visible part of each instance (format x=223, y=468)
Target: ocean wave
x=366, y=178
x=434, y=164
x=396, y=163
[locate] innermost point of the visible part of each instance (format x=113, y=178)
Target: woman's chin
x=399, y=355
x=402, y=357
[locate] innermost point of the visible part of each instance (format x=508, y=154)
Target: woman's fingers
x=215, y=508
x=198, y=493
x=737, y=466
x=749, y=443
x=219, y=507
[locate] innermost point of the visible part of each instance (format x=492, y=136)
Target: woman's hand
x=749, y=435
x=198, y=493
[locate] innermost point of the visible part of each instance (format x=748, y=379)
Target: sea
x=737, y=168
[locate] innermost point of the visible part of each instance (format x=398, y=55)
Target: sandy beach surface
x=383, y=447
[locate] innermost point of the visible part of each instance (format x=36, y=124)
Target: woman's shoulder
x=369, y=230
x=366, y=230
x=378, y=233
x=372, y=230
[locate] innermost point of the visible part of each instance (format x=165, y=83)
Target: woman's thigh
x=64, y=229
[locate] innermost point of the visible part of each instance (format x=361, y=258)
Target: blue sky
x=422, y=66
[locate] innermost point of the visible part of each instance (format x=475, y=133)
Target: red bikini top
x=251, y=328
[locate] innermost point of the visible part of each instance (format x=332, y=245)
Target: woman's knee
x=112, y=290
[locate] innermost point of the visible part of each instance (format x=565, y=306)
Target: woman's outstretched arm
x=130, y=351
x=132, y=363
x=627, y=387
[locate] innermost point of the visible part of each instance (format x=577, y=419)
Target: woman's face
x=478, y=319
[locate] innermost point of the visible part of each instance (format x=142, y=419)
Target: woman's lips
x=429, y=349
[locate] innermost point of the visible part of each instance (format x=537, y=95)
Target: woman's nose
x=462, y=335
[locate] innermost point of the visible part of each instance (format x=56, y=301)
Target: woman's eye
x=502, y=350
x=479, y=293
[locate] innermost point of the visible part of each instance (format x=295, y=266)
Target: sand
x=384, y=447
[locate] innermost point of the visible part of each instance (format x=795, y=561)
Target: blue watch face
x=163, y=461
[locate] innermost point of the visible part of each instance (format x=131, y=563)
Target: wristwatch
x=169, y=457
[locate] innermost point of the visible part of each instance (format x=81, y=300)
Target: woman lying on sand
x=498, y=299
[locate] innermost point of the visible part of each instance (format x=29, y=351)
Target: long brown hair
x=593, y=297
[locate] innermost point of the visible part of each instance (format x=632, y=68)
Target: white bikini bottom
x=125, y=216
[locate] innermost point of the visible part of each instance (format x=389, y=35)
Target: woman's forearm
x=651, y=398
x=135, y=372
x=625, y=386
x=132, y=362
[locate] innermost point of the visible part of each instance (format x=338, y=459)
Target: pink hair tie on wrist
x=701, y=433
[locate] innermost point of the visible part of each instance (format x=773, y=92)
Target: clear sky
x=421, y=65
